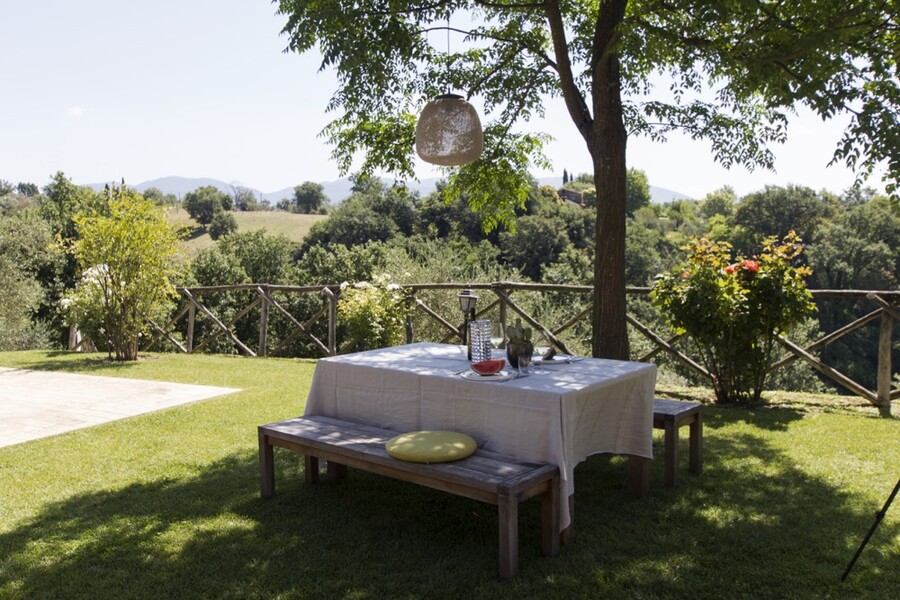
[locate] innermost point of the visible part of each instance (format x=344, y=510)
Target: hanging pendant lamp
x=449, y=132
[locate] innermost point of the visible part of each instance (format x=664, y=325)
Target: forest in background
x=393, y=234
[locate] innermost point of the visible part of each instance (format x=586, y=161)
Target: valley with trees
x=389, y=234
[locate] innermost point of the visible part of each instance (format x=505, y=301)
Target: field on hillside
x=292, y=226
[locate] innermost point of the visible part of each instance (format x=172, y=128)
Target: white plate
x=560, y=359
x=500, y=376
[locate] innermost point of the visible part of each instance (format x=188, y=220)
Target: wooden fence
x=498, y=299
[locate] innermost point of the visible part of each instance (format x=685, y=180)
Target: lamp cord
x=448, y=53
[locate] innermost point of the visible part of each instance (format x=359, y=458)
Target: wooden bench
x=500, y=480
x=671, y=415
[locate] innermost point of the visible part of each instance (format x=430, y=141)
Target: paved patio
x=36, y=404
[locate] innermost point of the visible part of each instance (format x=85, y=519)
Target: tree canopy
x=128, y=254
x=734, y=72
x=309, y=198
x=205, y=202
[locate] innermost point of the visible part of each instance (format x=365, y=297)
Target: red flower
x=730, y=269
x=750, y=265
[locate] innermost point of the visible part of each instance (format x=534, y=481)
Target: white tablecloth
x=561, y=417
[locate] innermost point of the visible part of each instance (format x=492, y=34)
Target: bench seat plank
x=483, y=470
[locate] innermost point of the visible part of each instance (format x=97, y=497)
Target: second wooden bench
x=670, y=415
x=493, y=478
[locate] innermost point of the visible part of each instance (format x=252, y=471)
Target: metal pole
x=878, y=517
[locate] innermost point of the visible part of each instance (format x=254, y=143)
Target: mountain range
x=335, y=191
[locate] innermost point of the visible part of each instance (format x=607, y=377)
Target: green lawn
x=167, y=505
x=292, y=226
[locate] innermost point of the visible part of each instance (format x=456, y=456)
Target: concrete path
x=36, y=404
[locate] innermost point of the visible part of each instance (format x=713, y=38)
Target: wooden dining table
x=572, y=409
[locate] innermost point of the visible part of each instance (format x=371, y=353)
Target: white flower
x=95, y=274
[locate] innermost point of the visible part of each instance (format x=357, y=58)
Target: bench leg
x=266, y=467
x=696, y=451
x=638, y=475
x=550, y=535
x=671, y=451
x=508, y=507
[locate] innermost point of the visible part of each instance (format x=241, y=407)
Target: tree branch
x=577, y=107
x=480, y=34
x=526, y=5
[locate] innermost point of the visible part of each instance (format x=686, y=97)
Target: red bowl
x=488, y=367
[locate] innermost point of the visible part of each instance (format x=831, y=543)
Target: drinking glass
x=480, y=338
x=524, y=363
x=497, y=334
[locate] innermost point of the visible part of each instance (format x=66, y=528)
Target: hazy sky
x=110, y=89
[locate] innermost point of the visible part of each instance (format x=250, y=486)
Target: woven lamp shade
x=449, y=132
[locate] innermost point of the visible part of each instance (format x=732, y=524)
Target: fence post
x=190, y=331
x=264, y=324
x=884, y=364
x=503, y=316
x=332, y=320
x=410, y=308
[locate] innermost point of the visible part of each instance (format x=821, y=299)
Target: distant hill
x=173, y=185
x=660, y=195
x=335, y=191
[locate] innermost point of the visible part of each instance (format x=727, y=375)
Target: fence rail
x=886, y=308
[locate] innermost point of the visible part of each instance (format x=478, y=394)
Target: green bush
x=734, y=311
x=222, y=224
x=128, y=254
x=372, y=313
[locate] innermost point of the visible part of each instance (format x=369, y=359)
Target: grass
x=291, y=225
x=167, y=505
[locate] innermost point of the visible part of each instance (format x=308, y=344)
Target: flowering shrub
x=734, y=310
x=128, y=254
x=372, y=314
x=83, y=306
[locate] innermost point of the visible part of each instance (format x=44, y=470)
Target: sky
x=108, y=89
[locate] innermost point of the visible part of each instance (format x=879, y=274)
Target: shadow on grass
x=802, y=403
x=72, y=362
x=194, y=232
x=752, y=526
x=772, y=417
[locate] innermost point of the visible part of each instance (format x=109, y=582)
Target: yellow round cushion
x=430, y=446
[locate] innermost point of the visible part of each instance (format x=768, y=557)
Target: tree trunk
x=605, y=136
x=607, y=145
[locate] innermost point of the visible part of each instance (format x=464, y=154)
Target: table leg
x=550, y=534
x=568, y=534
x=336, y=471
x=638, y=475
